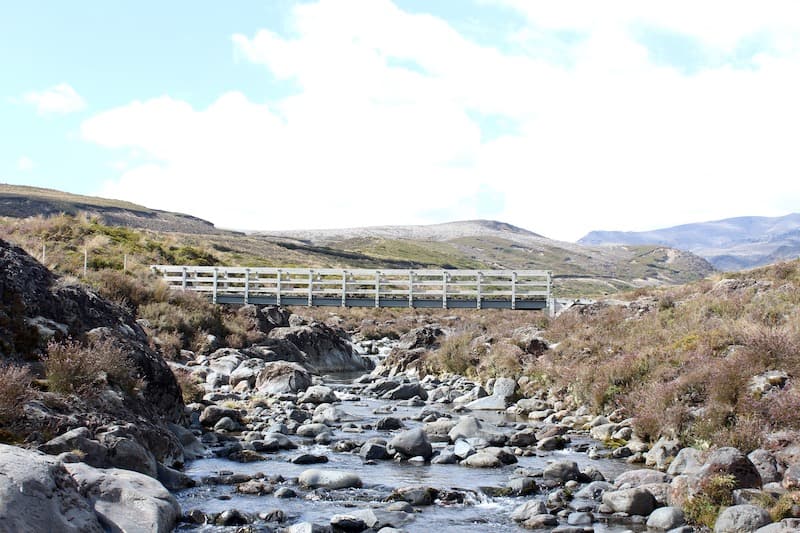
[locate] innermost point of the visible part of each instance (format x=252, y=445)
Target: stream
x=470, y=499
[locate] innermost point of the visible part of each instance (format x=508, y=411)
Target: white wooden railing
x=511, y=289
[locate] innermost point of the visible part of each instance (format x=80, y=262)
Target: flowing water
x=478, y=512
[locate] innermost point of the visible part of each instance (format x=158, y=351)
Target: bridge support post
x=444, y=290
x=278, y=286
x=377, y=288
x=513, y=290
x=246, y=286
x=183, y=280
x=214, y=290
x=411, y=289
x=344, y=288
x=310, y=288
x=478, y=296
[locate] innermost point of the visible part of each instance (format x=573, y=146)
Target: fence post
x=310, y=287
x=344, y=288
x=85, y=260
x=214, y=291
x=246, y=286
x=444, y=290
x=125, y=263
x=183, y=281
x=478, y=298
x=44, y=252
x=278, y=295
x=377, y=288
x=410, y=288
x=513, y=289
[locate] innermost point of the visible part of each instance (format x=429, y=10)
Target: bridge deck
x=476, y=289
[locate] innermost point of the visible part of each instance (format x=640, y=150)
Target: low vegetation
x=75, y=368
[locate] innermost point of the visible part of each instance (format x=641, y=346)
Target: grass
x=74, y=368
x=715, y=493
x=15, y=390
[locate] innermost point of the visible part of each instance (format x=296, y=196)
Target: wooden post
x=410, y=288
x=44, y=252
x=125, y=263
x=85, y=261
x=214, y=291
x=377, y=288
x=513, y=290
x=246, y=286
x=183, y=281
x=278, y=294
x=478, y=297
x=344, y=288
x=444, y=290
x=310, y=287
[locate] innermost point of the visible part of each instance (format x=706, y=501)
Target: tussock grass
x=15, y=390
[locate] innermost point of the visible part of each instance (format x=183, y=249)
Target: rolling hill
x=152, y=236
x=729, y=244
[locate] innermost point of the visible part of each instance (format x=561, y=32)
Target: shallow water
x=479, y=512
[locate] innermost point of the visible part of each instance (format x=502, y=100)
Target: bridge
x=446, y=289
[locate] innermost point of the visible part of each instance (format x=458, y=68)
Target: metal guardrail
x=477, y=289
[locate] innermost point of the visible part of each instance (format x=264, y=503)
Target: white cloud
x=382, y=127
x=25, y=164
x=59, y=99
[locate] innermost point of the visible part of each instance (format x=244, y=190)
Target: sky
x=559, y=117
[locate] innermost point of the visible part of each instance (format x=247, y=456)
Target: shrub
x=715, y=493
x=15, y=390
x=191, y=389
x=73, y=368
x=455, y=356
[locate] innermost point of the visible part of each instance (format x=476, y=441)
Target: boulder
x=326, y=349
x=126, y=500
x=214, y=413
x=406, y=391
x=642, y=476
x=784, y=526
x=38, y=494
x=687, y=461
x=92, y=452
x=329, y=479
x=666, y=518
x=741, y=519
x=281, y=377
x=662, y=453
x=766, y=464
x=562, y=471
x=731, y=461
x=636, y=501
x=482, y=460
x=411, y=443
x=469, y=427
x=317, y=394
x=423, y=337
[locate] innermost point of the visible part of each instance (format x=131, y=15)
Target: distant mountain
x=484, y=244
x=20, y=201
x=730, y=244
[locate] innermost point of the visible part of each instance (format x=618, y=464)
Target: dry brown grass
x=74, y=368
x=15, y=390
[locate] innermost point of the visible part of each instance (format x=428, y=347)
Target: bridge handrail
x=357, y=284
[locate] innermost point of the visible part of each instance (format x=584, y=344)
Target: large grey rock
x=741, y=519
x=130, y=455
x=662, y=453
x=406, y=391
x=438, y=430
x=469, y=427
x=317, y=394
x=562, y=471
x=329, y=479
x=423, y=337
x=687, y=461
x=126, y=500
x=326, y=349
x=192, y=447
x=734, y=462
x=482, y=460
x=38, y=494
x=666, y=518
x=280, y=377
x=527, y=510
x=641, y=476
x=214, y=413
x=92, y=452
x=766, y=465
x=411, y=443
x=247, y=371
x=636, y=501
